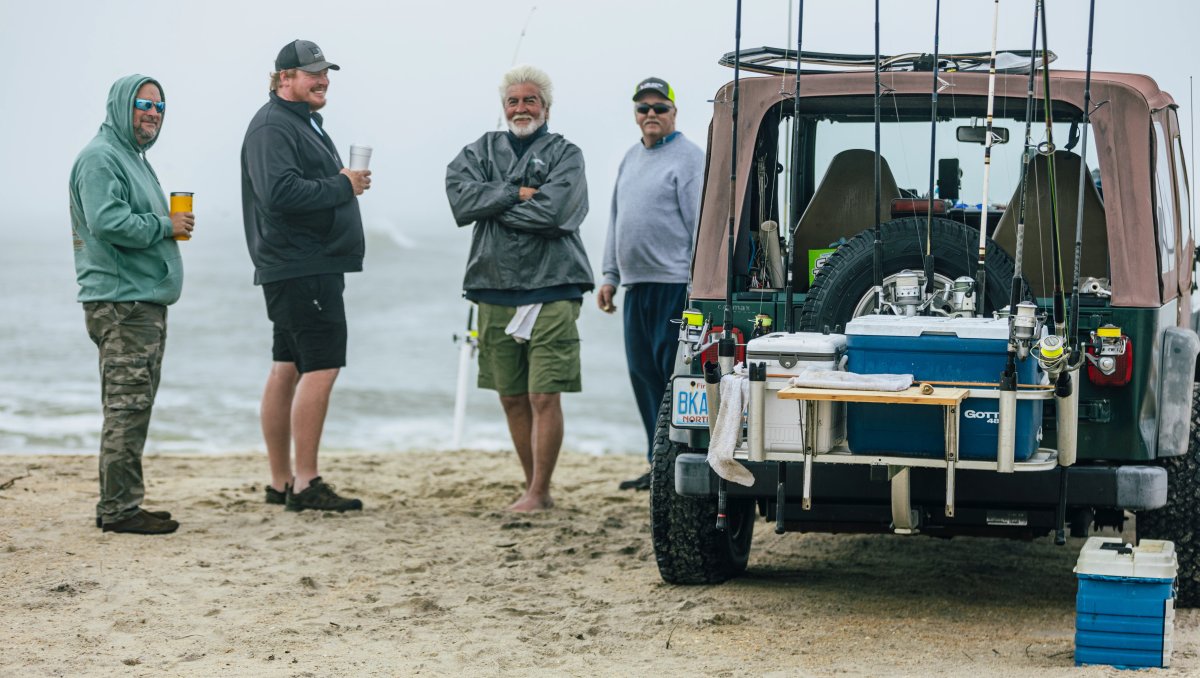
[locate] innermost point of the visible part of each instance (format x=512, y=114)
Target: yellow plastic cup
x=181, y=202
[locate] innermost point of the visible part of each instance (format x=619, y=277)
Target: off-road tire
x=1179, y=520
x=687, y=544
x=849, y=272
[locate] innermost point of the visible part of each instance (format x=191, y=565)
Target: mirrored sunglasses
x=146, y=104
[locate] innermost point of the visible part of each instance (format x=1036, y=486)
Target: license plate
x=689, y=402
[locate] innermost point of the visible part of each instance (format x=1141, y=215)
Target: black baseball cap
x=305, y=55
x=656, y=85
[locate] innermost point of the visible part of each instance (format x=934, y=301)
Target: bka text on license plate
x=689, y=402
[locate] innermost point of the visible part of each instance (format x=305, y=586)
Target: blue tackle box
x=1125, y=608
x=944, y=350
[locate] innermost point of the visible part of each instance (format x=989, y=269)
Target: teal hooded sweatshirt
x=119, y=216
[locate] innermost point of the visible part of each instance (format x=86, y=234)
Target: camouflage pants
x=131, y=336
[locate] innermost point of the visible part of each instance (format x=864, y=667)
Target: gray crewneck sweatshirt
x=655, y=206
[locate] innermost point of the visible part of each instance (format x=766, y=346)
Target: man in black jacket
x=304, y=231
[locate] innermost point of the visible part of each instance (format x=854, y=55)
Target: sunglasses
x=146, y=104
x=659, y=109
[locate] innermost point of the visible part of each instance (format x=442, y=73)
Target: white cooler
x=785, y=355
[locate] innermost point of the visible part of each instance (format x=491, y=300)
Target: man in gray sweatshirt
x=651, y=230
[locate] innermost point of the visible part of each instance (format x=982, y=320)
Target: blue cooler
x=1125, y=608
x=936, y=349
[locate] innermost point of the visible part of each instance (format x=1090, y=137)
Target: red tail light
x=710, y=353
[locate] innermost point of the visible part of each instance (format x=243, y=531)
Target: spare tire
x=848, y=275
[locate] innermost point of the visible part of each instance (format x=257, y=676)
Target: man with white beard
x=526, y=194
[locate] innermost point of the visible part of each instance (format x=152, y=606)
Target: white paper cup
x=360, y=157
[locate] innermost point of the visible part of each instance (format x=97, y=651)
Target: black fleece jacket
x=300, y=214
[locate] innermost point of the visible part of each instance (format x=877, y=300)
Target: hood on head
x=120, y=109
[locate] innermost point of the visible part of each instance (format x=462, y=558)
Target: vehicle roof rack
x=776, y=61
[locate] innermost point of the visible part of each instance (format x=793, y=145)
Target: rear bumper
x=1128, y=487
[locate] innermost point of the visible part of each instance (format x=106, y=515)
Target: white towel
x=735, y=393
x=520, y=328
x=815, y=377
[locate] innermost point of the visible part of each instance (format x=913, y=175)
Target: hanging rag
x=815, y=377
x=520, y=328
x=735, y=393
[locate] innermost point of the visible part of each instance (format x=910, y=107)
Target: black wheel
x=1179, y=520
x=842, y=290
x=687, y=544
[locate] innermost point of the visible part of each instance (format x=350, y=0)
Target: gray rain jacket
x=521, y=245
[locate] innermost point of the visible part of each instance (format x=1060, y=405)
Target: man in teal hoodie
x=129, y=270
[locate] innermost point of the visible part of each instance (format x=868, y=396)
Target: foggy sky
x=418, y=80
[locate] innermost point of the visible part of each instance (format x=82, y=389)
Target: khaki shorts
x=547, y=363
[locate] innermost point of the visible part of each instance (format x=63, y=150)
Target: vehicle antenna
x=933, y=114
x=1047, y=149
x=796, y=177
x=878, y=251
x=727, y=319
x=1073, y=325
x=981, y=270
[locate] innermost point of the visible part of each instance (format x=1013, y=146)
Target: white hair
x=532, y=75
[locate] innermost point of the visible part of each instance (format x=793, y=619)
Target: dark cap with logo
x=656, y=85
x=303, y=54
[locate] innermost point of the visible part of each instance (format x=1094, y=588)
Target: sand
x=433, y=579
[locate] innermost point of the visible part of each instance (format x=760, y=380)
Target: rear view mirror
x=978, y=135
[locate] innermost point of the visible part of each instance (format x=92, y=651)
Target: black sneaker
x=640, y=483
x=320, y=497
x=161, y=515
x=274, y=496
x=143, y=522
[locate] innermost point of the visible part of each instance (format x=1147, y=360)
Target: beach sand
x=433, y=579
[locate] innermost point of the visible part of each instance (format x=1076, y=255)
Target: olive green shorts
x=547, y=363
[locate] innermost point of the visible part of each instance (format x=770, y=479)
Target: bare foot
x=530, y=503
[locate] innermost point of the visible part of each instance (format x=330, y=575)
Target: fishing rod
x=933, y=115
x=726, y=346
x=1047, y=149
x=726, y=330
x=878, y=250
x=981, y=270
x=795, y=182
x=1022, y=323
x=516, y=51
x=1073, y=325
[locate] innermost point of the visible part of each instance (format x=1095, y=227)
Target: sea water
x=396, y=393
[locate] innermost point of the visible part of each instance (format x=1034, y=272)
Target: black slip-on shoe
x=320, y=497
x=274, y=496
x=143, y=522
x=163, y=515
x=642, y=482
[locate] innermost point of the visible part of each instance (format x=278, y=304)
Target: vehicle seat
x=1038, y=259
x=842, y=205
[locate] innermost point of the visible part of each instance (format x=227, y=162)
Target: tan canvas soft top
x=1122, y=128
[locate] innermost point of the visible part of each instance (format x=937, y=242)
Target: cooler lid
x=1110, y=557
x=915, y=326
x=797, y=343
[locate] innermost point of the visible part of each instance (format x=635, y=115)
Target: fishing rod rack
x=949, y=398
x=779, y=61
